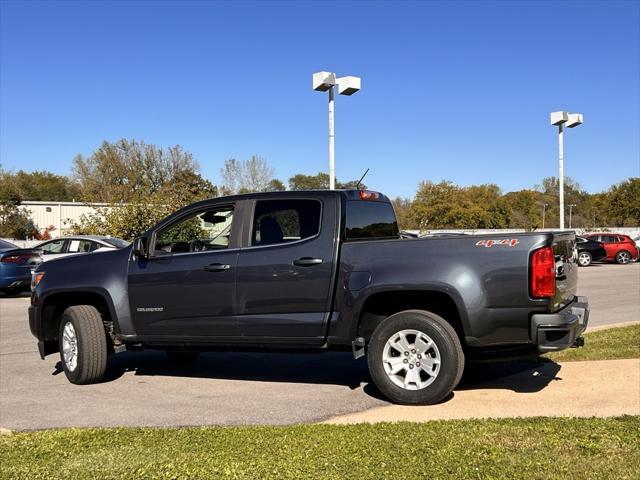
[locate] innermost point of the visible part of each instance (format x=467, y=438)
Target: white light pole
x=570, y=211
x=544, y=212
x=559, y=119
x=325, y=81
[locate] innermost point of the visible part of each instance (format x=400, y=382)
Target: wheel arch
x=380, y=305
x=55, y=303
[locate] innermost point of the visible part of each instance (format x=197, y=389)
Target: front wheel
x=415, y=358
x=83, y=344
x=584, y=259
x=623, y=257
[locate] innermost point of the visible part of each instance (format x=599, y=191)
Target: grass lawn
x=609, y=344
x=541, y=448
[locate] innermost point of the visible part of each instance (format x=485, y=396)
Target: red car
x=620, y=248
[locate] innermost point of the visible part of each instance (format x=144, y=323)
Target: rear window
x=367, y=220
x=116, y=242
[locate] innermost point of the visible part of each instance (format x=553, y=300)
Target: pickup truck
x=325, y=270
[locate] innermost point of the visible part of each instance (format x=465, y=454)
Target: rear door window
x=367, y=220
x=284, y=221
x=80, y=246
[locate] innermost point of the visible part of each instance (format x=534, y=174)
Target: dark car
x=15, y=266
x=316, y=270
x=589, y=250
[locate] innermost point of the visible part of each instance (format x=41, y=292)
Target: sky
x=450, y=90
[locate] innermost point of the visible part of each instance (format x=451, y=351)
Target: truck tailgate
x=564, y=249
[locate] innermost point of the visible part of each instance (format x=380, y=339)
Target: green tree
x=445, y=205
x=40, y=185
x=153, y=196
x=402, y=207
x=319, y=181
x=624, y=203
x=127, y=169
x=526, y=209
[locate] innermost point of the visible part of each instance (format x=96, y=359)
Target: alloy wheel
x=411, y=359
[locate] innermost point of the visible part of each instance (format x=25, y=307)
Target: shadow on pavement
x=330, y=368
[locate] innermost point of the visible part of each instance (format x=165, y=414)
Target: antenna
x=361, y=178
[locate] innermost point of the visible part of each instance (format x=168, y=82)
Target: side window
x=201, y=231
x=80, y=246
x=283, y=221
x=367, y=220
x=55, y=246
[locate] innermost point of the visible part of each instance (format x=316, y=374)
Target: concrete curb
x=5, y=432
x=601, y=388
x=612, y=325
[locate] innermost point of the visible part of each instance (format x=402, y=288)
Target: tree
x=127, y=169
x=276, y=185
x=246, y=176
x=445, y=205
x=153, y=195
x=402, y=207
x=624, y=202
x=319, y=181
x=40, y=185
x=526, y=209
x=15, y=222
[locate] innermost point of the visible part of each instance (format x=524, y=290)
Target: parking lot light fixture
x=571, y=120
x=325, y=82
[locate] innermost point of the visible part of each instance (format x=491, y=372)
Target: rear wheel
x=584, y=259
x=623, y=257
x=83, y=344
x=415, y=358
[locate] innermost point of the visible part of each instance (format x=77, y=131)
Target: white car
x=75, y=245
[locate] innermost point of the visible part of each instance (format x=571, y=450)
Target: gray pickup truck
x=321, y=270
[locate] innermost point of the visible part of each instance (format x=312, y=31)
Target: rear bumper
x=556, y=331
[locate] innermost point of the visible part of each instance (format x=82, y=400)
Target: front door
x=285, y=270
x=187, y=286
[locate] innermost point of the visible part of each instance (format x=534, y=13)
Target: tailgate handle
x=217, y=267
x=307, y=262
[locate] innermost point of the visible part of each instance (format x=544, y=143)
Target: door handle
x=307, y=262
x=217, y=267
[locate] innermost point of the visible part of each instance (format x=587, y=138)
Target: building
x=60, y=215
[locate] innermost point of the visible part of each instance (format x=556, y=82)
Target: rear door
x=610, y=245
x=286, y=268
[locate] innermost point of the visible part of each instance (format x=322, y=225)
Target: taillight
x=543, y=273
x=17, y=258
x=13, y=259
x=368, y=195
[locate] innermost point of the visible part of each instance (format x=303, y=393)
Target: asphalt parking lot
x=143, y=388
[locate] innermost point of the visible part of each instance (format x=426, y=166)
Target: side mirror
x=140, y=247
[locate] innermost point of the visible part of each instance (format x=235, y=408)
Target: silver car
x=78, y=244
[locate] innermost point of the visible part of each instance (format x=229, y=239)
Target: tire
x=623, y=257
x=434, y=381
x=181, y=357
x=584, y=259
x=82, y=326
